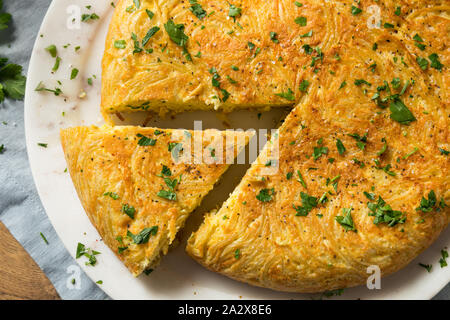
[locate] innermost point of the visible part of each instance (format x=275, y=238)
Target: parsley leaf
x=113, y=195
x=12, y=82
x=120, y=44
x=383, y=213
x=265, y=195
x=143, y=236
x=128, y=210
x=234, y=11
x=435, y=63
x=304, y=86
x=355, y=10
x=5, y=18
x=427, y=205
x=273, y=37
x=145, y=141
x=301, y=21
x=443, y=261
x=289, y=95
x=340, y=147
x=177, y=35
x=346, y=221
x=166, y=171
x=169, y=195
x=308, y=203
x=428, y=267
x=87, y=17
x=400, y=113
x=423, y=63
x=88, y=253
x=149, y=34
x=197, y=9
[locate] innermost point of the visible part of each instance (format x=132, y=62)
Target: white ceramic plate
x=178, y=277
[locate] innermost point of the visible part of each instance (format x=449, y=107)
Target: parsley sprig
x=12, y=82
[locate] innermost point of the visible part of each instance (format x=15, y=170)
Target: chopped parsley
x=143, y=236
x=265, y=195
x=422, y=62
x=428, y=267
x=355, y=10
x=41, y=87
x=197, y=9
x=120, y=44
x=12, y=82
x=171, y=184
x=410, y=154
x=237, y=254
x=383, y=148
x=346, y=220
x=128, y=210
x=149, y=34
x=234, y=12
x=319, y=150
x=361, y=141
x=383, y=213
x=386, y=168
x=428, y=205
x=308, y=204
x=150, y=14
x=177, y=35
x=216, y=83
x=289, y=95
x=274, y=37
x=52, y=50
x=5, y=17
x=112, y=195
x=400, y=112
x=435, y=63
x=88, y=17
x=166, y=171
x=145, y=141
x=359, y=82
x=301, y=21
x=74, y=73
x=370, y=196
x=43, y=238
x=340, y=147
x=418, y=42
x=88, y=253
x=304, y=85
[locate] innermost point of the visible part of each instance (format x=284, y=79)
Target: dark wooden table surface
x=20, y=277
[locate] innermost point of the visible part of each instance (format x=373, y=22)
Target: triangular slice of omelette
x=139, y=185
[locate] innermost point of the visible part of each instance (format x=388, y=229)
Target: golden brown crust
x=312, y=253
x=169, y=82
x=110, y=169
